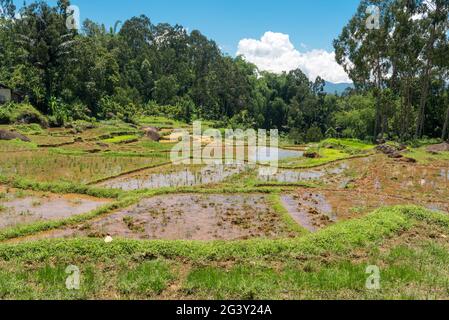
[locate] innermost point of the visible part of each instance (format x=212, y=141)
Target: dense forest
x=400, y=73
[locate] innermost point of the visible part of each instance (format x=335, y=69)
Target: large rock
x=390, y=150
x=442, y=147
x=11, y=135
x=152, y=133
x=311, y=155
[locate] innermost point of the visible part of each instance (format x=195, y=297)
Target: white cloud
x=274, y=52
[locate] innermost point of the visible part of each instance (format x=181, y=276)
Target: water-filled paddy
x=190, y=217
x=18, y=207
x=175, y=176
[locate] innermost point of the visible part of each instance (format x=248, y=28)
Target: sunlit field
x=301, y=153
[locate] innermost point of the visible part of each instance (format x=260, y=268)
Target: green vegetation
x=127, y=81
x=122, y=139
x=352, y=146
x=87, y=121
x=284, y=269
x=277, y=205
x=424, y=157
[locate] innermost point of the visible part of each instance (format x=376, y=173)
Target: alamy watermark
x=373, y=280
x=72, y=282
x=373, y=20
x=73, y=20
x=236, y=147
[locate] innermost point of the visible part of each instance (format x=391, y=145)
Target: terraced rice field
x=217, y=231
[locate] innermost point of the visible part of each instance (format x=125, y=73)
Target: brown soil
x=173, y=176
x=189, y=217
x=442, y=147
x=34, y=207
x=152, y=133
x=380, y=175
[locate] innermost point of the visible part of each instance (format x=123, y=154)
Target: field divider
x=20, y=231
x=325, y=163
x=275, y=202
x=125, y=201
x=153, y=166
x=339, y=239
x=62, y=188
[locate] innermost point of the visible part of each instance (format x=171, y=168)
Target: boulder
x=436, y=148
x=390, y=150
x=311, y=155
x=152, y=133
x=11, y=135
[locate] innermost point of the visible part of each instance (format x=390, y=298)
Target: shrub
x=314, y=134
x=22, y=113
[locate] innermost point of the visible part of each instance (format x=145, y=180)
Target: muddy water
x=392, y=177
x=317, y=209
x=35, y=207
x=267, y=154
x=294, y=176
x=192, y=217
x=180, y=177
x=364, y=185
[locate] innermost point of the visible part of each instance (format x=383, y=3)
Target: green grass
x=17, y=145
x=330, y=150
x=122, y=139
x=405, y=242
x=147, y=279
x=161, y=122
x=424, y=157
x=352, y=146
x=276, y=203
x=60, y=187
x=156, y=146
x=46, y=165
x=326, y=156
x=330, y=264
x=340, y=238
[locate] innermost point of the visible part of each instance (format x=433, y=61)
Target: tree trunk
x=426, y=80
x=379, y=117
x=445, y=135
x=422, y=105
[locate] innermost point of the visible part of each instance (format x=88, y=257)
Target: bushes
x=181, y=111
x=61, y=113
x=111, y=109
x=23, y=113
x=314, y=134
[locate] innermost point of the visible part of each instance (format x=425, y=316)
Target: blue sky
x=312, y=22
x=299, y=26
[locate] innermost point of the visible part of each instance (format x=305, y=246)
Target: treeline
x=137, y=67
x=400, y=53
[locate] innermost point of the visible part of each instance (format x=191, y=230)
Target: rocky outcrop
x=152, y=133
x=311, y=155
x=436, y=148
x=12, y=135
x=390, y=150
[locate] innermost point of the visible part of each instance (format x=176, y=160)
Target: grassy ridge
x=339, y=239
x=316, y=266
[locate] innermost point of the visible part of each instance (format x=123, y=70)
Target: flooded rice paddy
x=189, y=217
x=268, y=154
x=294, y=176
x=18, y=207
x=175, y=176
x=344, y=190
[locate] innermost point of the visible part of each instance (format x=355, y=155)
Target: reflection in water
x=183, y=178
x=292, y=176
x=267, y=154
x=445, y=173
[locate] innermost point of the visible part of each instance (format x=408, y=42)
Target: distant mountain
x=337, y=87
